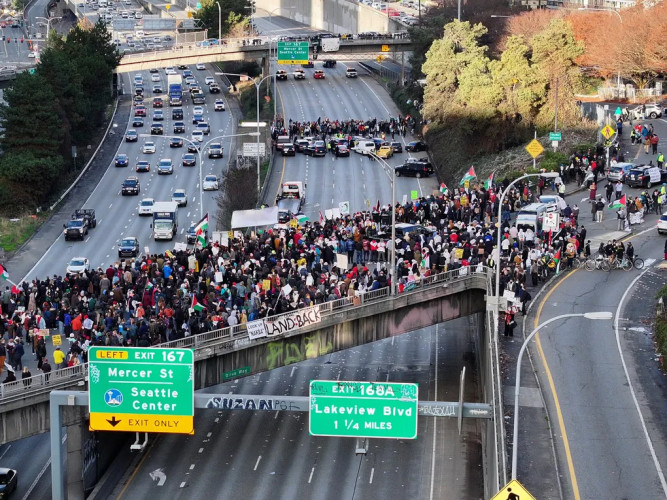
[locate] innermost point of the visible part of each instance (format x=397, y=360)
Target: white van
x=364, y=147
x=139, y=34
x=531, y=215
x=102, y=3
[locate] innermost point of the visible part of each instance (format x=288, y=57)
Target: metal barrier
x=76, y=375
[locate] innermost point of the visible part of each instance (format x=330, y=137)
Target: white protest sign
x=256, y=329
x=292, y=321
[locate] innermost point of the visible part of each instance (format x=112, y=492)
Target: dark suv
x=177, y=114
x=417, y=167
x=130, y=186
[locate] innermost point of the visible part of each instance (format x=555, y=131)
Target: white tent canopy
x=255, y=218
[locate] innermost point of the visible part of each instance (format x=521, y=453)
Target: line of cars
x=341, y=147
x=637, y=176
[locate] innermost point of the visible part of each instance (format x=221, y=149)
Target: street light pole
x=219, y=23
x=389, y=170
x=199, y=147
x=257, y=86
x=601, y=315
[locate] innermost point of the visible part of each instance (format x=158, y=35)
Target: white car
x=155, y=77
x=197, y=136
x=651, y=110
x=219, y=105
x=210, y=183
x=146, y=206
x=180, y=197
x=32, y=55
x=78, y=265
x=190, y=79
x=209, y=80
x=662, y=223
x=198, y=110
x=148, y=147
x=200, y=66
x=170, y=70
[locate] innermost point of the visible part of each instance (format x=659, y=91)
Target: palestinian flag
x=618, y=204
x=321, y=218
x=470, y=175
x=302, y=219
x=557, y=257
x=443, y=188
x=200, y=231
x=4, y=273
x=488, y=183
x=196, y=306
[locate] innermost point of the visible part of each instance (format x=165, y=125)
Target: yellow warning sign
x=385, y=48
x=513, y=490
x=167, y=6
x=124, y=422
x=379, y=59
x=534, y=148
x=607, y=131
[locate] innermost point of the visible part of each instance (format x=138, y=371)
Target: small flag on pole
x=4, y=273
x=618, y=204
x=443, y=188
x=470, y=175
x=488, y=184
x=196, y=306
x=200, y=231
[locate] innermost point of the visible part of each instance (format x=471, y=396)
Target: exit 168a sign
x=136, y=389
x=363, y=409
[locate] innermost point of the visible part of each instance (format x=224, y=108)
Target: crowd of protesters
x=151, y=299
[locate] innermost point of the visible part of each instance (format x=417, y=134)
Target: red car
x=157, y=102
x=319, y=74
x=140, y=111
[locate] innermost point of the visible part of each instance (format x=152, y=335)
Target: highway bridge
x=340, y=324
x=254, y=49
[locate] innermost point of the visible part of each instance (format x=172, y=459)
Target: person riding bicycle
x=610, y=251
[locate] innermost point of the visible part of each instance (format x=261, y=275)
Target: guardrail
x=66, y=377
x=232, y=44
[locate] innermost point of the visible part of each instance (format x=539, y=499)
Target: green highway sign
x=293, y=52
x=134, y=389
x=235, y=373
x=363, y=409
x=555, y=136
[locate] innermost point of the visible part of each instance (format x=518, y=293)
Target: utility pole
x=556, y=117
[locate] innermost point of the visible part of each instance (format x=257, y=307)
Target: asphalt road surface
x=117, y=215
x=270, y=454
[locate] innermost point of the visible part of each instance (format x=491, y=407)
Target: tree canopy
x=47, y=112
x=233, y=14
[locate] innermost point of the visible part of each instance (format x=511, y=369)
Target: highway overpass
x=243, y=49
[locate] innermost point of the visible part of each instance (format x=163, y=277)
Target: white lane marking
x=217, y=419
x=182, y=485
x=6, y=450
x=292, y=372
x=372, y=474
x=257, y=463
x=209, y=434
x=435, y=420
x=310, y=478
x=201, y=450
x=37, y=479
x=276, y=415
x=192, y=466
x=656, y=462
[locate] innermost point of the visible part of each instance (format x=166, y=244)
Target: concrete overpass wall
x=376, y=321
x=336, y=16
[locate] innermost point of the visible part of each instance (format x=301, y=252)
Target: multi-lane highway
x=117, y=215
x=271, y=455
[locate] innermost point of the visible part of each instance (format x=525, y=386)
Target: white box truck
x=165, y=221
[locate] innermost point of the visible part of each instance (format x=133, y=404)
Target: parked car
x=416, y=146
x=619, y=171
x=414, y=168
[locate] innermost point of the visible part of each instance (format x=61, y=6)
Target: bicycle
x=624, y=264
x=638, y=263
x=597, y=263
